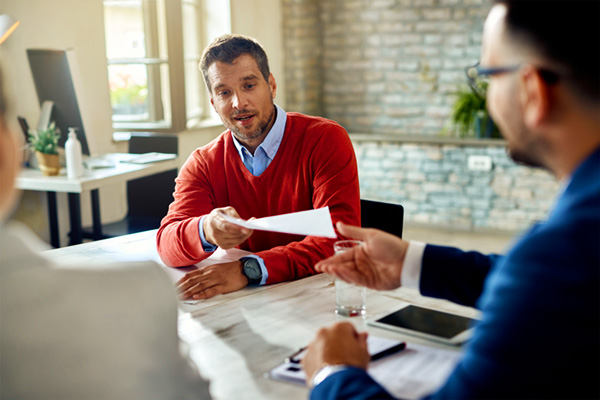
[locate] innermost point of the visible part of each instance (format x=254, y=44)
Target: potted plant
x=45, y=144
x=470, y=116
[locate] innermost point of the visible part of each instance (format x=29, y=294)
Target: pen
x=377, y=356
x=388, y=352
x=292, y=359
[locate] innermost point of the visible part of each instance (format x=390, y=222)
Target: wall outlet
x=480, y=163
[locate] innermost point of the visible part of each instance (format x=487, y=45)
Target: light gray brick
x=436, y=13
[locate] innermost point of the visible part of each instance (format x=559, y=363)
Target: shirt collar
x=273, y=139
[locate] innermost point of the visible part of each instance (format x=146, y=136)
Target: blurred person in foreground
x=82, y=330
x=539, y=332
x=268, y=162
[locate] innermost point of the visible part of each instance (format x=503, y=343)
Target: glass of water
x=350, y=299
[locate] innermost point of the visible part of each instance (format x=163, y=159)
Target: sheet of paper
x=414, y=372
x=311, y=222
x=410, y=374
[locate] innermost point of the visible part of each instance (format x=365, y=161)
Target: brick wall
x=391, y=67
x=384, y=66
x=435, y=186
x=302, y=62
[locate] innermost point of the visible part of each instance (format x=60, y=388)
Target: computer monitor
x=53, y=79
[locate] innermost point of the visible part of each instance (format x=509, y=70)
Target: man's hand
x=224, y=234
x=212, y=280
x=377, y=263
x=338, y=344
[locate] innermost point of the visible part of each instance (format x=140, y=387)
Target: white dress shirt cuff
x=325, y=372
x=411, y=271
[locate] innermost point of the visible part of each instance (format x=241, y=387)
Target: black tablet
x=429, y=324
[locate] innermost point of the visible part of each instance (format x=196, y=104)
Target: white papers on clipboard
x=410, y=374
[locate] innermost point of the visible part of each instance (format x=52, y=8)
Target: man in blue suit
x=539, y=332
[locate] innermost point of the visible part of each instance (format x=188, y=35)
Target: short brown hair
x=227, y=48
x=536, y=24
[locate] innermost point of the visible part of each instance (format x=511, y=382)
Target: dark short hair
x=567, y=33
x=227, y=48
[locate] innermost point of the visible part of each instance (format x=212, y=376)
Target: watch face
x=252, y=269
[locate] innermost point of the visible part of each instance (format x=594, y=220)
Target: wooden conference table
x=92, y=180
x=235, y=339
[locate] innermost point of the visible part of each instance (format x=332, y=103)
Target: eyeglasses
x=479, y=77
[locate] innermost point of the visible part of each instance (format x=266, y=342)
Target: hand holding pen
x=335, y=345
x=296, y=358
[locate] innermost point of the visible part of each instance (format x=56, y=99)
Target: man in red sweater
x=268, y=162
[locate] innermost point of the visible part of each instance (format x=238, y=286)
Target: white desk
x=236, y=338
x=92, y=180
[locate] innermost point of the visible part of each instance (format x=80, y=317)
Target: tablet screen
x=433, y=322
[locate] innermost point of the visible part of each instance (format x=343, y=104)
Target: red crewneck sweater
x=314, y=167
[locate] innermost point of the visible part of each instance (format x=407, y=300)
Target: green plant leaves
x=468, y=103
x=45, y=141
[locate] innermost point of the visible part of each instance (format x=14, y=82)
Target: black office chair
x=148, y=198
x=387, y=217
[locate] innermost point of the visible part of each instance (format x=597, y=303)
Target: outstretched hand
x=212, y=280
x=377, y=263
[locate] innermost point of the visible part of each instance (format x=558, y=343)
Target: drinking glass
x=350, y=299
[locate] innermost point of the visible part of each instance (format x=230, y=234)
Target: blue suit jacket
x=539, y=334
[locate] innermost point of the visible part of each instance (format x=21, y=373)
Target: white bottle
x=73, y=155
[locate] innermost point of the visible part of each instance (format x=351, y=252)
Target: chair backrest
x=384, y=216
x=150, y=196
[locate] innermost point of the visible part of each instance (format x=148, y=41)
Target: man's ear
x=273, y=86
x=535, y=97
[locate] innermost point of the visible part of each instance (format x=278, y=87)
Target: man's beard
x=524, y=158
x=258, y=132
x=522, y=147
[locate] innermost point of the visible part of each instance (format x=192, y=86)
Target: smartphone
x=429, y=324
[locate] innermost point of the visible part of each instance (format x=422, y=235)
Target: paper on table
x=415, y=372
x=311, y=222
x=410, y=374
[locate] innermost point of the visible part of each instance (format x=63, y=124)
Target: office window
x=153, y=48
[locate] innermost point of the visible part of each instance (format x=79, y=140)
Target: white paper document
x=311, y=222
x=409, y=374
x=147, y=158
x=415, y=372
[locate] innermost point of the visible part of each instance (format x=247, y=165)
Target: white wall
x=79, y=24
x=76, y=24
x=261, y=19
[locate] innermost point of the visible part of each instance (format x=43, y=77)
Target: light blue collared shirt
x=263, y=155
